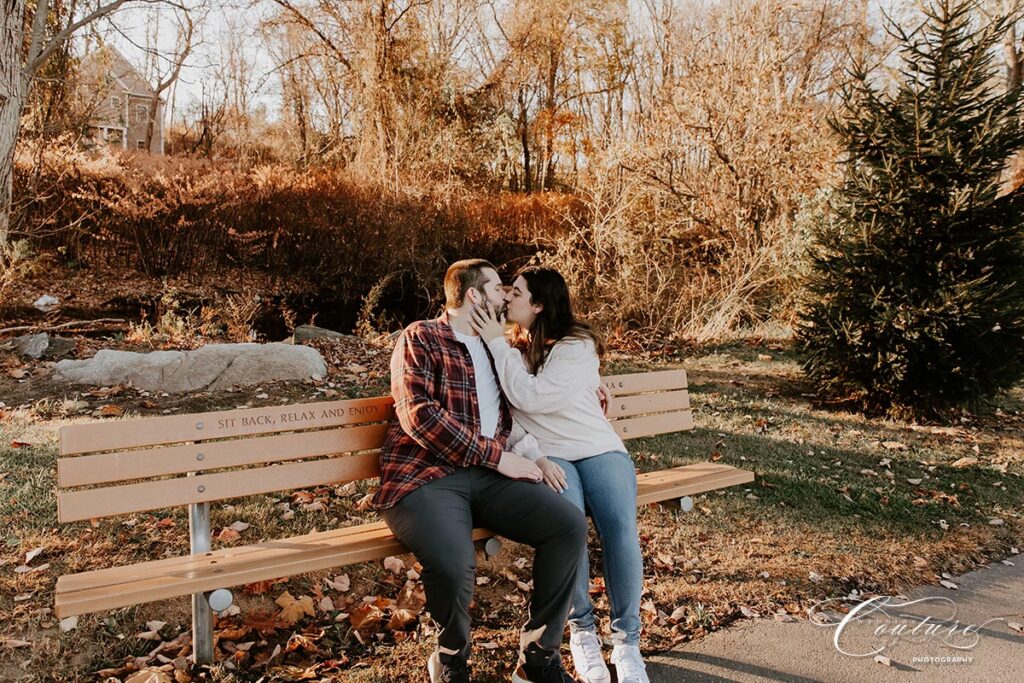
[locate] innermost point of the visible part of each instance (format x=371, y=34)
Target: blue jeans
x=604, y=486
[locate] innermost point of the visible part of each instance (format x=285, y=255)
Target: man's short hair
x=463, y=276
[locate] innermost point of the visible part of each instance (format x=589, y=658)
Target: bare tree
x=163, y=79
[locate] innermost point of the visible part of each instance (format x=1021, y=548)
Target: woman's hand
x=604, y=397
x=487, y=323
x=553, y=474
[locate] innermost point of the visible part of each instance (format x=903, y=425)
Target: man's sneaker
x=629, y=665
x=455, y=671
x=587, y=658
x=541, y=666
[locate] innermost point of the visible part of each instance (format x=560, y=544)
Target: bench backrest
x=125, y=466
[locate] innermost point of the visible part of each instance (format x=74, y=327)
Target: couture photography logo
x=923, y=631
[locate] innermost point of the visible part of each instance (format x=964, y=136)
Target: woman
x=552, y=385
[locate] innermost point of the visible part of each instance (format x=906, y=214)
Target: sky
x=133, y=28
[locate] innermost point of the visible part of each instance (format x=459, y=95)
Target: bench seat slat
x=688, y=480
x=197, y=427
x=85, y=470
x=153, y=495
x=157, y=580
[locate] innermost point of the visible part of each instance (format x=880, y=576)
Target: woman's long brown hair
x=556, y=321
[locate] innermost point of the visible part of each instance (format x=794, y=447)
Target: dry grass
x=813, y=509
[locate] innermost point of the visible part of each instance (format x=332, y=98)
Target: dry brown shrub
x=691, y=225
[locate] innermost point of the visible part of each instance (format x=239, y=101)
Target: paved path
x=769, y=650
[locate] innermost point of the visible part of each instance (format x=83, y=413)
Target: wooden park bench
x=128, y=466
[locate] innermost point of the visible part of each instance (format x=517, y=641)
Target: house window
x=141, y=113
x=115, y=102
x=140, y=144
x=115, y=136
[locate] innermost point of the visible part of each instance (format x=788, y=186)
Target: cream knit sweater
x=558, y=405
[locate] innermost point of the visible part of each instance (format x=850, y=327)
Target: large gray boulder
x=211, y=367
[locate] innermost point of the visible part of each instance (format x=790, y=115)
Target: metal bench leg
x=202, y=616
x=492, y=547
x=686, y=503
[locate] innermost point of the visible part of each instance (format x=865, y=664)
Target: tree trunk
x=1012, y=55
x=12, y=98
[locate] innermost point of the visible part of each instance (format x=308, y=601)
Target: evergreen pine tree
x=915, y=302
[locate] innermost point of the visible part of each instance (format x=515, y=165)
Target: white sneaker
x=586, y=657
x=629, y=665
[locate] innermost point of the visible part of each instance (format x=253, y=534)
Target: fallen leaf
x=483, y=580
x=12, y=643
x=149, y=635
x=964, y=462
x=1016, y=626
x=32, y=554
x=340, y=583
x=402, y=619
x=366, y=617
x=292, y=609
x=394, y=565
x=148, y=676
x=239, y=526
x=783, y=617
x=882, y=659
x=303, y=497
x=68, y=624
x=914, y=482
x=155, y=625
x=949, y=584
x=300, y=641
x=749, y=613
x=489, y=645
x=815, y=577
x=326, y=604
x=109, y=410
x=678, y=614
x=894, y=446
x=233, y=632
x=258, y=587
x=227, y=535
x=20, y=444
x=995, y=522
x=412, y=597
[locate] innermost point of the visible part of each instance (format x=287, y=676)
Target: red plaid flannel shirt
x=436, y=428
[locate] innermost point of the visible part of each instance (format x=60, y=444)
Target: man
x=448, y=465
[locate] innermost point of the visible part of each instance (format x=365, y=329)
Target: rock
x=45, y=303
x=305, y=332
x=43, y=345
x=32, y=345
x=211, y=367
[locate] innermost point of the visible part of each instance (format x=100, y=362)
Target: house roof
x=107, y=68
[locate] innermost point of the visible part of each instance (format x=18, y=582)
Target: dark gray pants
x=436, y=522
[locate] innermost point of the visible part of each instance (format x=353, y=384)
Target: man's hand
x=487, y=323
x=554, y=475
x=517, y=467
x=605, y=397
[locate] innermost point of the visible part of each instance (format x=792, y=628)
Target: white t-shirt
x=487, y=394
